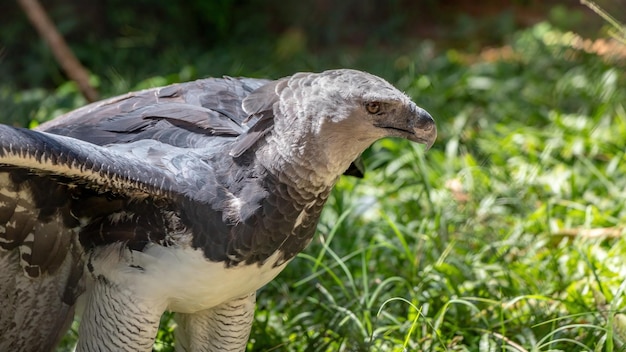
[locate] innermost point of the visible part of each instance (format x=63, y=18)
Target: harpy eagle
x=185, y=198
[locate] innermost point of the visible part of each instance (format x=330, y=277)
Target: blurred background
x=128, y=45
x=508, y=235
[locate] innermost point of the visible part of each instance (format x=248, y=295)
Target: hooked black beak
x=415, y=124
x=423, y=127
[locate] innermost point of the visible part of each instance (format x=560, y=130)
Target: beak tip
x=431, y=140
x=425, y=129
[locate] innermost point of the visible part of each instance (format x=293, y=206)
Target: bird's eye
x=373, y=107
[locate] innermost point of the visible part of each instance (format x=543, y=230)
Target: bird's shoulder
x=183, y=114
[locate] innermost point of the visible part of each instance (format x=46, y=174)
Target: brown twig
x=618, y=31
x=509, y=342
x=602, y=232
x=63, y=54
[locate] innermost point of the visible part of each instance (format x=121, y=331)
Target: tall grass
x=505, y=237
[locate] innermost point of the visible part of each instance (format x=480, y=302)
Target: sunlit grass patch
x=482, y=243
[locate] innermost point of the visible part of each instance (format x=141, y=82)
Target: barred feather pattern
x=27, y=315
x=52, y=264
x=222, y=328
x=114, y=320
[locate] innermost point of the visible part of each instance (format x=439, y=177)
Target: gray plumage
x=187, y=198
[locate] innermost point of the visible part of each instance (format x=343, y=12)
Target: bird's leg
x=222, y=328
x=115, y=319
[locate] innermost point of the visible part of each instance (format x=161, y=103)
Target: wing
x=125, y=160
x=181, y=115
x=55, y=192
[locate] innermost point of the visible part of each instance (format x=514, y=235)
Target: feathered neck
x=308, y=172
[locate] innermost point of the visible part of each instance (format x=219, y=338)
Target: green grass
x=481, y=243
x=468, y=247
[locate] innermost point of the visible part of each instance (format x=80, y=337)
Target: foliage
x=484, y=243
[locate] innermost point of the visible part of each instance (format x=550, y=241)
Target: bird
x=185, y=198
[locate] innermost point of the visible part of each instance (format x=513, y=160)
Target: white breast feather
x=181, y=279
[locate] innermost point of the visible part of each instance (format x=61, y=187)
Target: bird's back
x=181, y=115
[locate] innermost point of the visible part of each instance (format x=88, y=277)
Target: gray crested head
x=324, y=121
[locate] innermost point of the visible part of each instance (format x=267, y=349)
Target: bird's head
x=326, y=120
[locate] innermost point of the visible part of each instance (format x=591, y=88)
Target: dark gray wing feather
x=263, y=123
x=262, y=99
x=199, y=109
x=259, y=106
x=89, y=164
